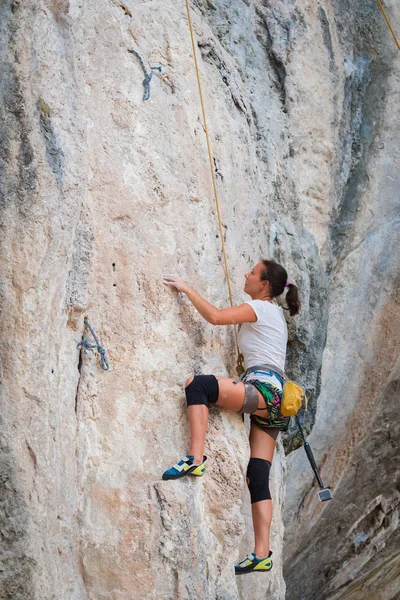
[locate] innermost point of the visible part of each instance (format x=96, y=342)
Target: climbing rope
x=388, y=23
x=147, y=74
x=239, y=363
x=89, y=347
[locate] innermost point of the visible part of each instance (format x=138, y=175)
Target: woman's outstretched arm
x=216, y=316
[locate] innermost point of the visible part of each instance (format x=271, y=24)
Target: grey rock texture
x=348, y=548
x=102, y=193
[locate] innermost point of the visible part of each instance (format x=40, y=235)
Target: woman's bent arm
x=216, y=316
x=205, y=308
x=221, y=316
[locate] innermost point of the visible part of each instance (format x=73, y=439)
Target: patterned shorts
x=273, y=399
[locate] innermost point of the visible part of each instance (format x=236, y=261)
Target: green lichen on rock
x=44, y=108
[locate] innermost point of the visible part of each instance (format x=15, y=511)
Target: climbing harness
x=147, y=74
x=388, y=23
x=324, y=493
x=293, y=395
x=239, y=362
x=88, y=346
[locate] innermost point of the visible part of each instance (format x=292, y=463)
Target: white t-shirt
x=264, y=342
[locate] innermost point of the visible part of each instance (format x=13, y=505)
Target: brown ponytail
x=277, y=277
x=293, y=300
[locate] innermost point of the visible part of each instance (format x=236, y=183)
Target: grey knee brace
x=250, y=403
x=258, y=476
x=202, y=390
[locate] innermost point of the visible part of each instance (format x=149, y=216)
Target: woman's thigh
x=231, y=396
x=262, y=443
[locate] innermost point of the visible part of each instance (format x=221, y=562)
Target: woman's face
x=254, y=285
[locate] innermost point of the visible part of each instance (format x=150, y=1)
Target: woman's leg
x=231, y=397
x=262, y=445
x=198, y=421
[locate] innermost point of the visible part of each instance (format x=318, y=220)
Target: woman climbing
x=262, y=340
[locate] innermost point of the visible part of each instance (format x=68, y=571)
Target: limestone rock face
x=102, y=193
x=348, y=548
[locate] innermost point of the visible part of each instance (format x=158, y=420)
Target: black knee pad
x=258, y=476
x=202, y=390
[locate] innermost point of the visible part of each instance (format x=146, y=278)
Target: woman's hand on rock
x=176, y=282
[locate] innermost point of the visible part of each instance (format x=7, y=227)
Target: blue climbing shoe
x=252, y=564
x=186, y=467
